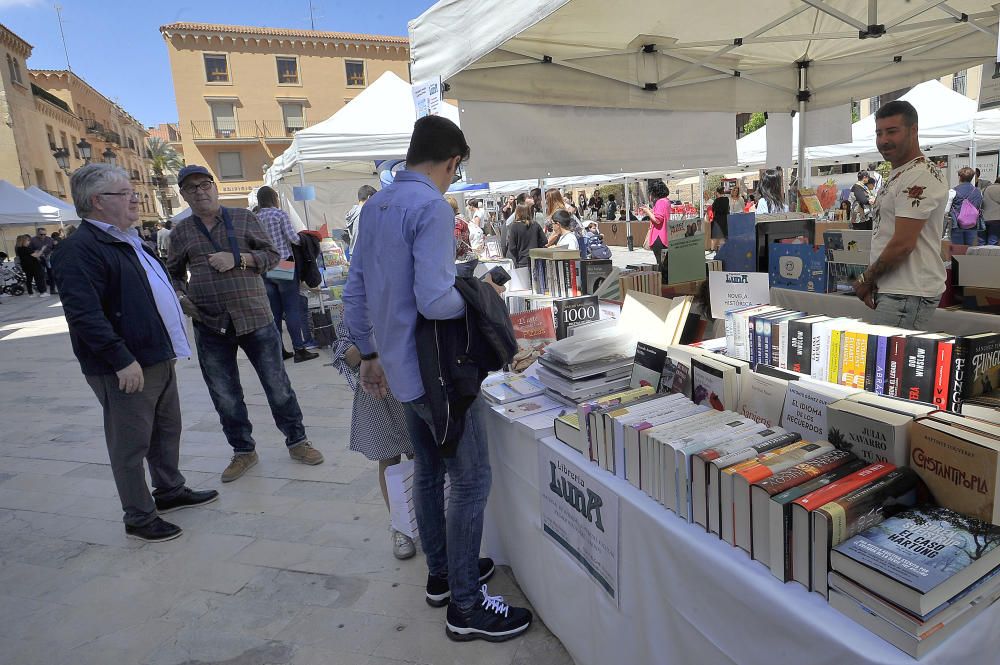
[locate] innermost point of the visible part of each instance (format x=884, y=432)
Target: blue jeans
x=284, y=298
x=963, y=236
x=451, y=543
x=307, y=336
x=993, y=233
x=217, y=358
x=910, y=312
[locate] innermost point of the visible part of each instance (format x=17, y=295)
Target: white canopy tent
x=375, y=125
x=778, y=56
x=946, y=121
x=65, y=211
x=20, y=207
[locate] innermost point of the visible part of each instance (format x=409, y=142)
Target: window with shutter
x=216, y=68
x=230, y=166
x=294, y=116
x=224, y=119
x=288, y=70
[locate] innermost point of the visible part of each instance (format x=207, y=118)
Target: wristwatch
x=861, y=279
x=369, y=356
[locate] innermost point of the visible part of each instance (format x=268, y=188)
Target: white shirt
x=568, y=241
x=764, y=209
x=915, y=190
x=476, y=239
x=164, y=295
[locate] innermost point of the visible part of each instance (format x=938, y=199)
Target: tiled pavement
x=292, y=565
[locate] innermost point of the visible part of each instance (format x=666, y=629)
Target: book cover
x=648, y=367
x=510, y=386
x=571, y=313
x=799, y=358
x=983, y=364
x=836, y=359
x=895, y=365
x=805, y=409
x=762, y=398
x=871, y=433
x=956, y=382
x=708, y=384
x=593, y=273
x=958, y=465
x=920, y=550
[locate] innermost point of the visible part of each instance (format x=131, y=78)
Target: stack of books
x=554, y=272
x=643, y=281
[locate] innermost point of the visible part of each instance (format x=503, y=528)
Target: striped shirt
x=232, y=299
x=279, y=227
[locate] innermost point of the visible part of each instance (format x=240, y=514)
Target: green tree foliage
x=164, y=159
x=755, y=122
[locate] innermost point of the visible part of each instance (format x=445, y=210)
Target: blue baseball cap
x=192, y=169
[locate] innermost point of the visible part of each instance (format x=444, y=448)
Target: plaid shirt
x=234, y=298
x=279, y=227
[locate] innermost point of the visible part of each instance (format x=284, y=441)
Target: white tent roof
x=945, y=123
x=715, y=55
x=65, y=211
x=20, y=207
x=375, y=125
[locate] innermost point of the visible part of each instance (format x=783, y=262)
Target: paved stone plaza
x=293, y=564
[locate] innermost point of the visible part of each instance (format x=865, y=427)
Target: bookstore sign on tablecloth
x=581, y=515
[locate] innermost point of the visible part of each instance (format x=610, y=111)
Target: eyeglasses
x=133, y=196
x=204, y=186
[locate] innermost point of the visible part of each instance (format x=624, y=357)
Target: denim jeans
x=910, y=312
x=307, y=336
x=217, y=358
x=284, y=298
x=993, y=233
x=963, y=236
x=451, y=543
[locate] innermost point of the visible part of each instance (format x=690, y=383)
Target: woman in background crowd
x=991, y=213
x=659, y=219
x=720, y=218
x=524, y=235
x=965, y=191
x=463, y=243
x=772, y=195
x=735, y=199
x=31, y=264
x=564, y=227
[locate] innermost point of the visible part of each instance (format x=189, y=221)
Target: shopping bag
x=968, y=215
x=322, y=327
x=283, y=272
x=399, y=486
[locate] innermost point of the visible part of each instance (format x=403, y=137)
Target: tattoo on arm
x=878, y=268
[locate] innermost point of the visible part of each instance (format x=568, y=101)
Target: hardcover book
x=873, y=434
x=854, y=512
x=648, y=367
x=983, y=364
x=593, y=273
x=711, y=384
x=762, y=398
x=921, y=557
x=959, y=467
x=917, y=383
x=805, y=409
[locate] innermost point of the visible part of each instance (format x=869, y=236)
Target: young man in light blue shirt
x=404, y=265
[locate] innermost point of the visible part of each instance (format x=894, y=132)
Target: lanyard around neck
x=230, y=233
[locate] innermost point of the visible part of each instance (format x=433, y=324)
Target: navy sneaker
x=492, y=620
x=438, y=593
x=156, y=531
x=186, y=499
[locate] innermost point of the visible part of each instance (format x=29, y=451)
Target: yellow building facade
x=242, y=92
x=45, y=111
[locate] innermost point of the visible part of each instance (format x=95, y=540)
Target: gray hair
x=90, y=180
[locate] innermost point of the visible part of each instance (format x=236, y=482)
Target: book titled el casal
x=921, y=557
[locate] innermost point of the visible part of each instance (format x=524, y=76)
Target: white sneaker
x=44, y=295
x=402, y=545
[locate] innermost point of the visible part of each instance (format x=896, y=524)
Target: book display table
x=683, y=596
x=834, y=304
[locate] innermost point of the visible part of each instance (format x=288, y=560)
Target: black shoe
x=156, y=531
x=438, y=593
x=302, y=355
x=285, y=355
x=491, y=620
x=187, y=498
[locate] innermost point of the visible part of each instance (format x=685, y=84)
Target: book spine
x=833, y=371
x=957, y=379
x=767, y=339
x=572, y=278
x=752, y=339
x=871, y=349
x=567, y=278
x=881, y=344
x=848, y=344
x=860, y=360
x=942, y=372
x=796, y=345
x=781, y=359
x=917, y=384
x=897, y=346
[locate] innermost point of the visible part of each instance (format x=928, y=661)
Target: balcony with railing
x=241, y=130
x=95, y=128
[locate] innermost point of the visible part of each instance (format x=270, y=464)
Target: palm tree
x=165, y=160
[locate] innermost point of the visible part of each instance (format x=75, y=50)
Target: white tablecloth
x=687, y=598
x=953, y=322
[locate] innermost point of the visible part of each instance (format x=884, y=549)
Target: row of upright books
x=562, y=273
x=934, y=368
x=792, y=469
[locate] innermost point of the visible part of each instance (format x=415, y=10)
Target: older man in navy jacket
x=127, y=328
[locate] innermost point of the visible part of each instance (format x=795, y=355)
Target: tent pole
x=804, y=175
x=701, y=194
x=305, y=204
x=972, y=148
x=628, y=219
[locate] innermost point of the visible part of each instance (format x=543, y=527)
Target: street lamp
x=84, y=148
x=62, y=159
x=110, y=157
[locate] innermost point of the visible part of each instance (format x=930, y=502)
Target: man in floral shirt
x=906, y=277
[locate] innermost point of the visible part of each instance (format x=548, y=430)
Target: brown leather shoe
x=305, y=453
x=240, y=464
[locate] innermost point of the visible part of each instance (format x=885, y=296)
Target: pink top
x=659, y=223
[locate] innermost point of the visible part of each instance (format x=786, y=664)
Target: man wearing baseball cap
x=226, y=251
